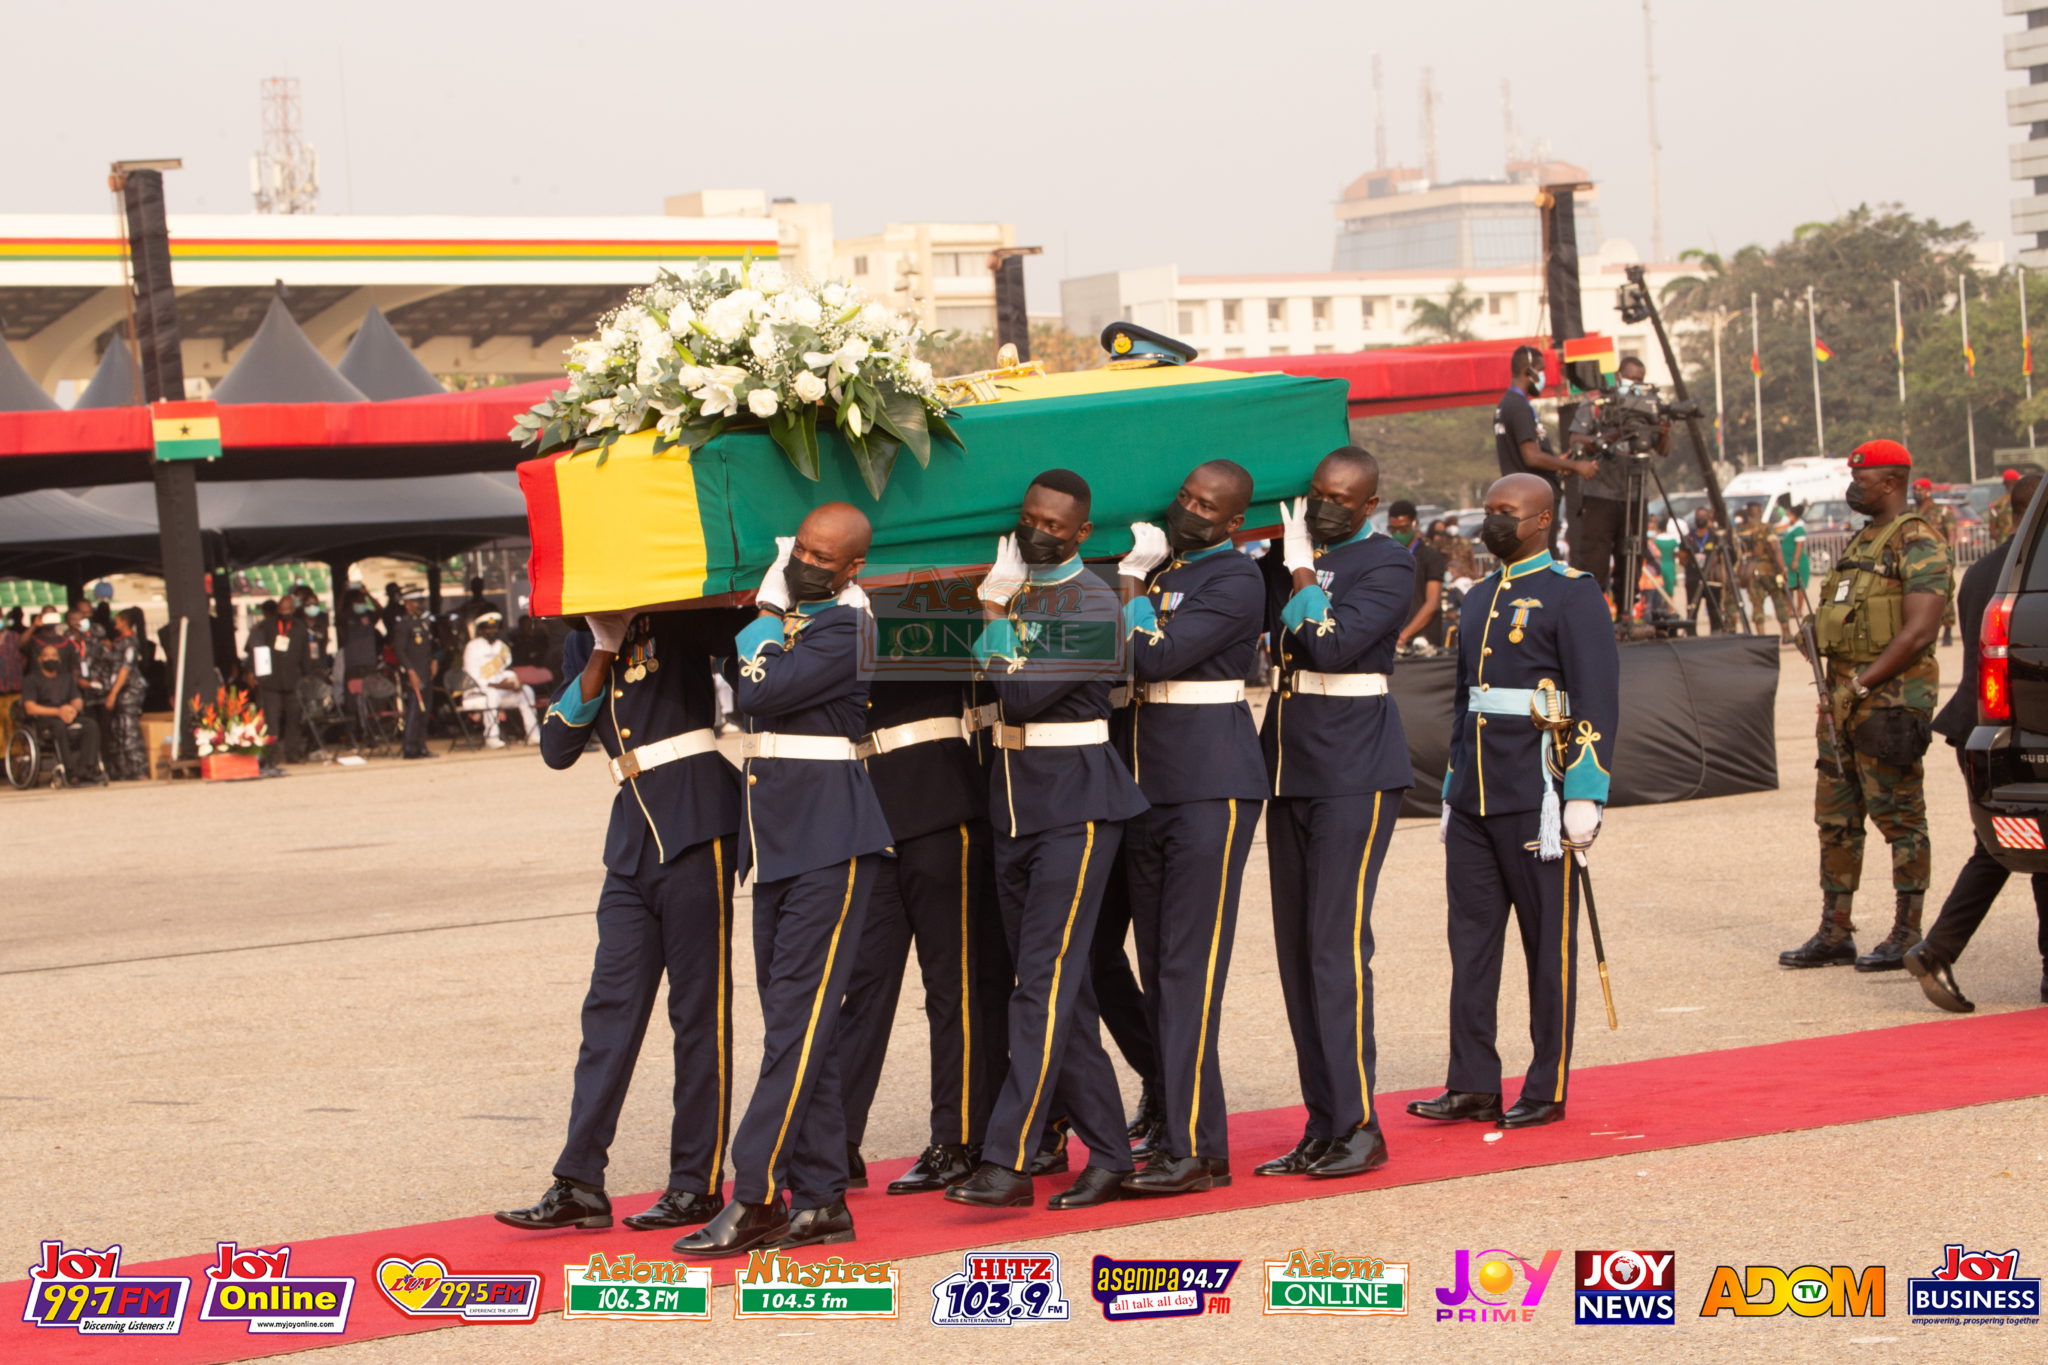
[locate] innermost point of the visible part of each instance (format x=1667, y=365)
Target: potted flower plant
x=230, y=736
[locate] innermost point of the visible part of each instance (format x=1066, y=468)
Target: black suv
x=2006, y=759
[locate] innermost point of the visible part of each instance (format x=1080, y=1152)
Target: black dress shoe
x=1179, y=1175
x=738, y=1229
x=1306, y=1153
x=992, y=1187
x=1147, y=1132
x=1936, y=980
x=1458, y=1104
x=1094, y=1186
x=1051, y=1156
x=676, y=1209
x=1360, y=1151
x=818, y=1227
x=1528, y=1113
x=856, y=1168
x=936, y=1167
x=565, y=1205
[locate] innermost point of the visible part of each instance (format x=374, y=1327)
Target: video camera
x=1629, y=425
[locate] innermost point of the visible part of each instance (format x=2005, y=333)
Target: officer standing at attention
x=813, y=835
x=1195, y=754
x=1337, y=597
x=1058, y=798
x=1880, y=609
x=643, y=686
x=413, y=641
x=938, y=891
x=1534, y=716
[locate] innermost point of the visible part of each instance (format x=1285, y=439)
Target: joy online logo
x=1811, y=1291
x=257, y=1287
x=1483, y=1285
x=1984, y=1284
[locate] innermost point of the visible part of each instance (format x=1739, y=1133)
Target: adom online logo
x=1495, y=1286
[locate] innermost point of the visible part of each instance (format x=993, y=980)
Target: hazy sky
x=1212, y=135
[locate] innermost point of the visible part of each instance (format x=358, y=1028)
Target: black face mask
x=48, y=665
x=1039, y=547
x=1859, y=500
x=1328, y=522
x=1501, y=534
x=807, y=582
x=1189, y=530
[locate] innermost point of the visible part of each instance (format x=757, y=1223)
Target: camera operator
x=1600, y=511
x=1519, y=441
x=1423, y=636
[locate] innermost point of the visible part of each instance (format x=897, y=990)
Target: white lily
x=854, y=420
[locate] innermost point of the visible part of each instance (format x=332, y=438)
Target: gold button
x=618, y=691
x=628, y=734
x=752, y=779
x=1484, y=686
x=1482, y=720
x=1485, y=650
x=1493, y=616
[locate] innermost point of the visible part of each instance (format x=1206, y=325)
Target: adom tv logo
x=1811, y=1291
x=1495, y=1286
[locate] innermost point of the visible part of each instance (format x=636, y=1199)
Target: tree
x=1450, y=320
x=954, y=352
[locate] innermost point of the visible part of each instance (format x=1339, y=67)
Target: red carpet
x=1631, y=1107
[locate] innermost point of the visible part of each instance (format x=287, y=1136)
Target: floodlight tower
x=285, y=176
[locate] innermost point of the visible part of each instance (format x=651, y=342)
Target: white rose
x=920, y=373
x=761, y=402
x=726, y=319
x=690, y=377
x=768, y=277
x=613, y=338
x=809, y=387
x=834, y=295
x=853, y=419
x=874, y=317
x=680, y=316
x=804, y=311
x=763, y=344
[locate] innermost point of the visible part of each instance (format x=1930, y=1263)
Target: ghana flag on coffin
x=641, y=529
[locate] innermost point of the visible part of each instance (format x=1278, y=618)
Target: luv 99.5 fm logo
x=1495, y=1286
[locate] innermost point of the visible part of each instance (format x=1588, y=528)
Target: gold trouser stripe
x=966, y=995
x=803, y=1059
x=723, y=1007
x=1564, y=981
x=1358, y=962
x=1209, y=981
x=1052, y=1012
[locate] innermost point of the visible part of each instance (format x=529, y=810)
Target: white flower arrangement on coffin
x=693, y=355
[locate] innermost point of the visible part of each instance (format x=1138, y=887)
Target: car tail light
x=1994, y=677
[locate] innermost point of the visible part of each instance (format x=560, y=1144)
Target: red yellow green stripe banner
x=1599, y=349
x=185, y=431
x=392, y=249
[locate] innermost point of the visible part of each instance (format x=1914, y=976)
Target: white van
x=1808, y=478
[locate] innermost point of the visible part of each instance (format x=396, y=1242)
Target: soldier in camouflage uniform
x=1762, y=572
x=1875, y=623
x=2000, y=515
x=1942, y=518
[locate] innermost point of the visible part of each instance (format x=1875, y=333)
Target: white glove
x=1297, y=551
x=1005, y=577
x=1443, y=825
x=1148, y=551
x=774, y=589
x=610, y=629
x=1581, y=821
x=853, y=595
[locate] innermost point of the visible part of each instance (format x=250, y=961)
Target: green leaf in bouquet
x=903, y=418
x=943, y=429
x=789, y=431
x=875, y=456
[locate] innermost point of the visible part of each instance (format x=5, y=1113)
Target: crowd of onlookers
x=81, y=680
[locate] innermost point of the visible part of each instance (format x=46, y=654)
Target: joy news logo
x=997, y=1288
x=1811, y=1291
x=84, y=1291
x=1130, y=1290
x=1974, y=1287
x=1323, y=1283
x=1495, y=1286
x=257, y=1287
x=1630, y=1288
x=625, y=1288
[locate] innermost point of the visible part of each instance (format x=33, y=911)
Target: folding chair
x=469, y=725
x=375, y=714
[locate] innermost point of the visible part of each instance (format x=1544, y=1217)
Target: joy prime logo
x=772, y=1285
x=257, y=1287
x=1495, y=1286
x=1324, y=1283
x=84, y=1291
x=626, y=1288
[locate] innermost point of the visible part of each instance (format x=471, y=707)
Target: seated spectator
x=51, y=700
x=493, y=686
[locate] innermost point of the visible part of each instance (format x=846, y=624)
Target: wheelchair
x=29, y=758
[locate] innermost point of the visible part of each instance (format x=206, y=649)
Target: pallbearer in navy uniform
x=1058, y=799
x=642, y=684
x=1339, y=594
x=1195, y=754
x=939, y=892
x=1520, y=798
x=812, y=837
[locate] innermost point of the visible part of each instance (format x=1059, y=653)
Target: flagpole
x=1720, y=427
x=1970, y=371
x=1813, y=358
x=1899, y=339
x=1756, y=374
x=2026, y=350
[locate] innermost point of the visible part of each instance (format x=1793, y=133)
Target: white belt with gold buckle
x=1336, y=684
x=634, y=762
x=1052, y=734
x=1189, y=692
x=890, y=738
x=818, y=748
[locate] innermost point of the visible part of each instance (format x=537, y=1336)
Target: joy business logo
x=1630, y=1288
x=1483, y=1287
x=84, y=1291
x=257, y=1287
x=1974, y=1287
x=1811, y=1291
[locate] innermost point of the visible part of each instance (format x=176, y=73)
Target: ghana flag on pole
x=1594, y=348
x=185, y=431
x=1822, y=351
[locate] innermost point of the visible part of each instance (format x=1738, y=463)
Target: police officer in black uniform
x=814, y=833
x=1338, y=595
x=1534, y=718
x=642, y=685
x=1058, y=799
x=413, y=640
x=1195, y=754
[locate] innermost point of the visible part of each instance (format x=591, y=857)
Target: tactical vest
x=1855, y=626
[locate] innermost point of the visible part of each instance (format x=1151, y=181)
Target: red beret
x=2012, y=476
x=1880, y=452
x=1922, y=483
